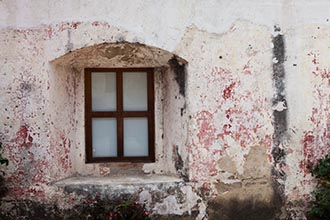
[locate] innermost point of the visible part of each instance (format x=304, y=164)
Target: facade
x=241, y=98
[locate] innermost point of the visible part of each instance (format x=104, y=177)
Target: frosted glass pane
x=103, y=91
x=135, y=91
x=104, y=137
x=135, y=137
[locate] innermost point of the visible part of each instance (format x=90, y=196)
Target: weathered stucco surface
x=242, y=98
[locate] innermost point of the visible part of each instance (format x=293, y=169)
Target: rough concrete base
x=162, y=195
x=30, y=210
x=176, y=217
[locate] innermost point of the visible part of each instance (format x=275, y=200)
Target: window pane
x=135, y=91
x=104, y=91
x=104, y=137
x=135, y=137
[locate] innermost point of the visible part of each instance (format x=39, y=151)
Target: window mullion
x=88, y=115
x=120, y=135
x=151, y=126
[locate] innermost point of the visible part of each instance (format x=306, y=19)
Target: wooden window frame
x=119, y=114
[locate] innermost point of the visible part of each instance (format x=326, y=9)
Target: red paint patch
x=49, y=31
x=313, y=149
x=308, y=151
x=246, y=68
x=75, y=24
x=323, y=72
x=227, y=93
x=23, y=139
x=206, y=134
x=97, y=23
x=221, y=73
x=226, y=129
x=314, y=56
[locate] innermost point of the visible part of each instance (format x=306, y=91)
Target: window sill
x=115, y=186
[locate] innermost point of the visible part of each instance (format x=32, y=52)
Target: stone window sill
x=114, y=186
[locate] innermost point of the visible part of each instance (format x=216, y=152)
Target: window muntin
x=119, y=111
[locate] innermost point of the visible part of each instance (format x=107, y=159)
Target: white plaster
x=146, y=18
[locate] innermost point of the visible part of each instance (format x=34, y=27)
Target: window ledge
x=118, y=180
x=114, y=186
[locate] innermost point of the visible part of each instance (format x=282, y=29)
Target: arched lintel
x=119, y=54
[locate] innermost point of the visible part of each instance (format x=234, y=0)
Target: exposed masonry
x=279, y=104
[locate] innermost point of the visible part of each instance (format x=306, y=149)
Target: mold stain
x=179, y=70
x=279, y=115
x=179, y=164
x=238, y=209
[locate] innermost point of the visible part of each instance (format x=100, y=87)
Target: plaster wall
x=253, y=114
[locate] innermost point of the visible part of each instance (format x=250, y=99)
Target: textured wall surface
x=242, y=98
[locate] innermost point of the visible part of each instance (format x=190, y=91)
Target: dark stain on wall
x=247, y=209
x=179, y=164
x=179, y=70
x=279, y=114
x=251, y=200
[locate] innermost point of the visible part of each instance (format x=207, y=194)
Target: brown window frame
x=119, y=114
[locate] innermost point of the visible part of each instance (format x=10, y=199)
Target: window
x=119, y=113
